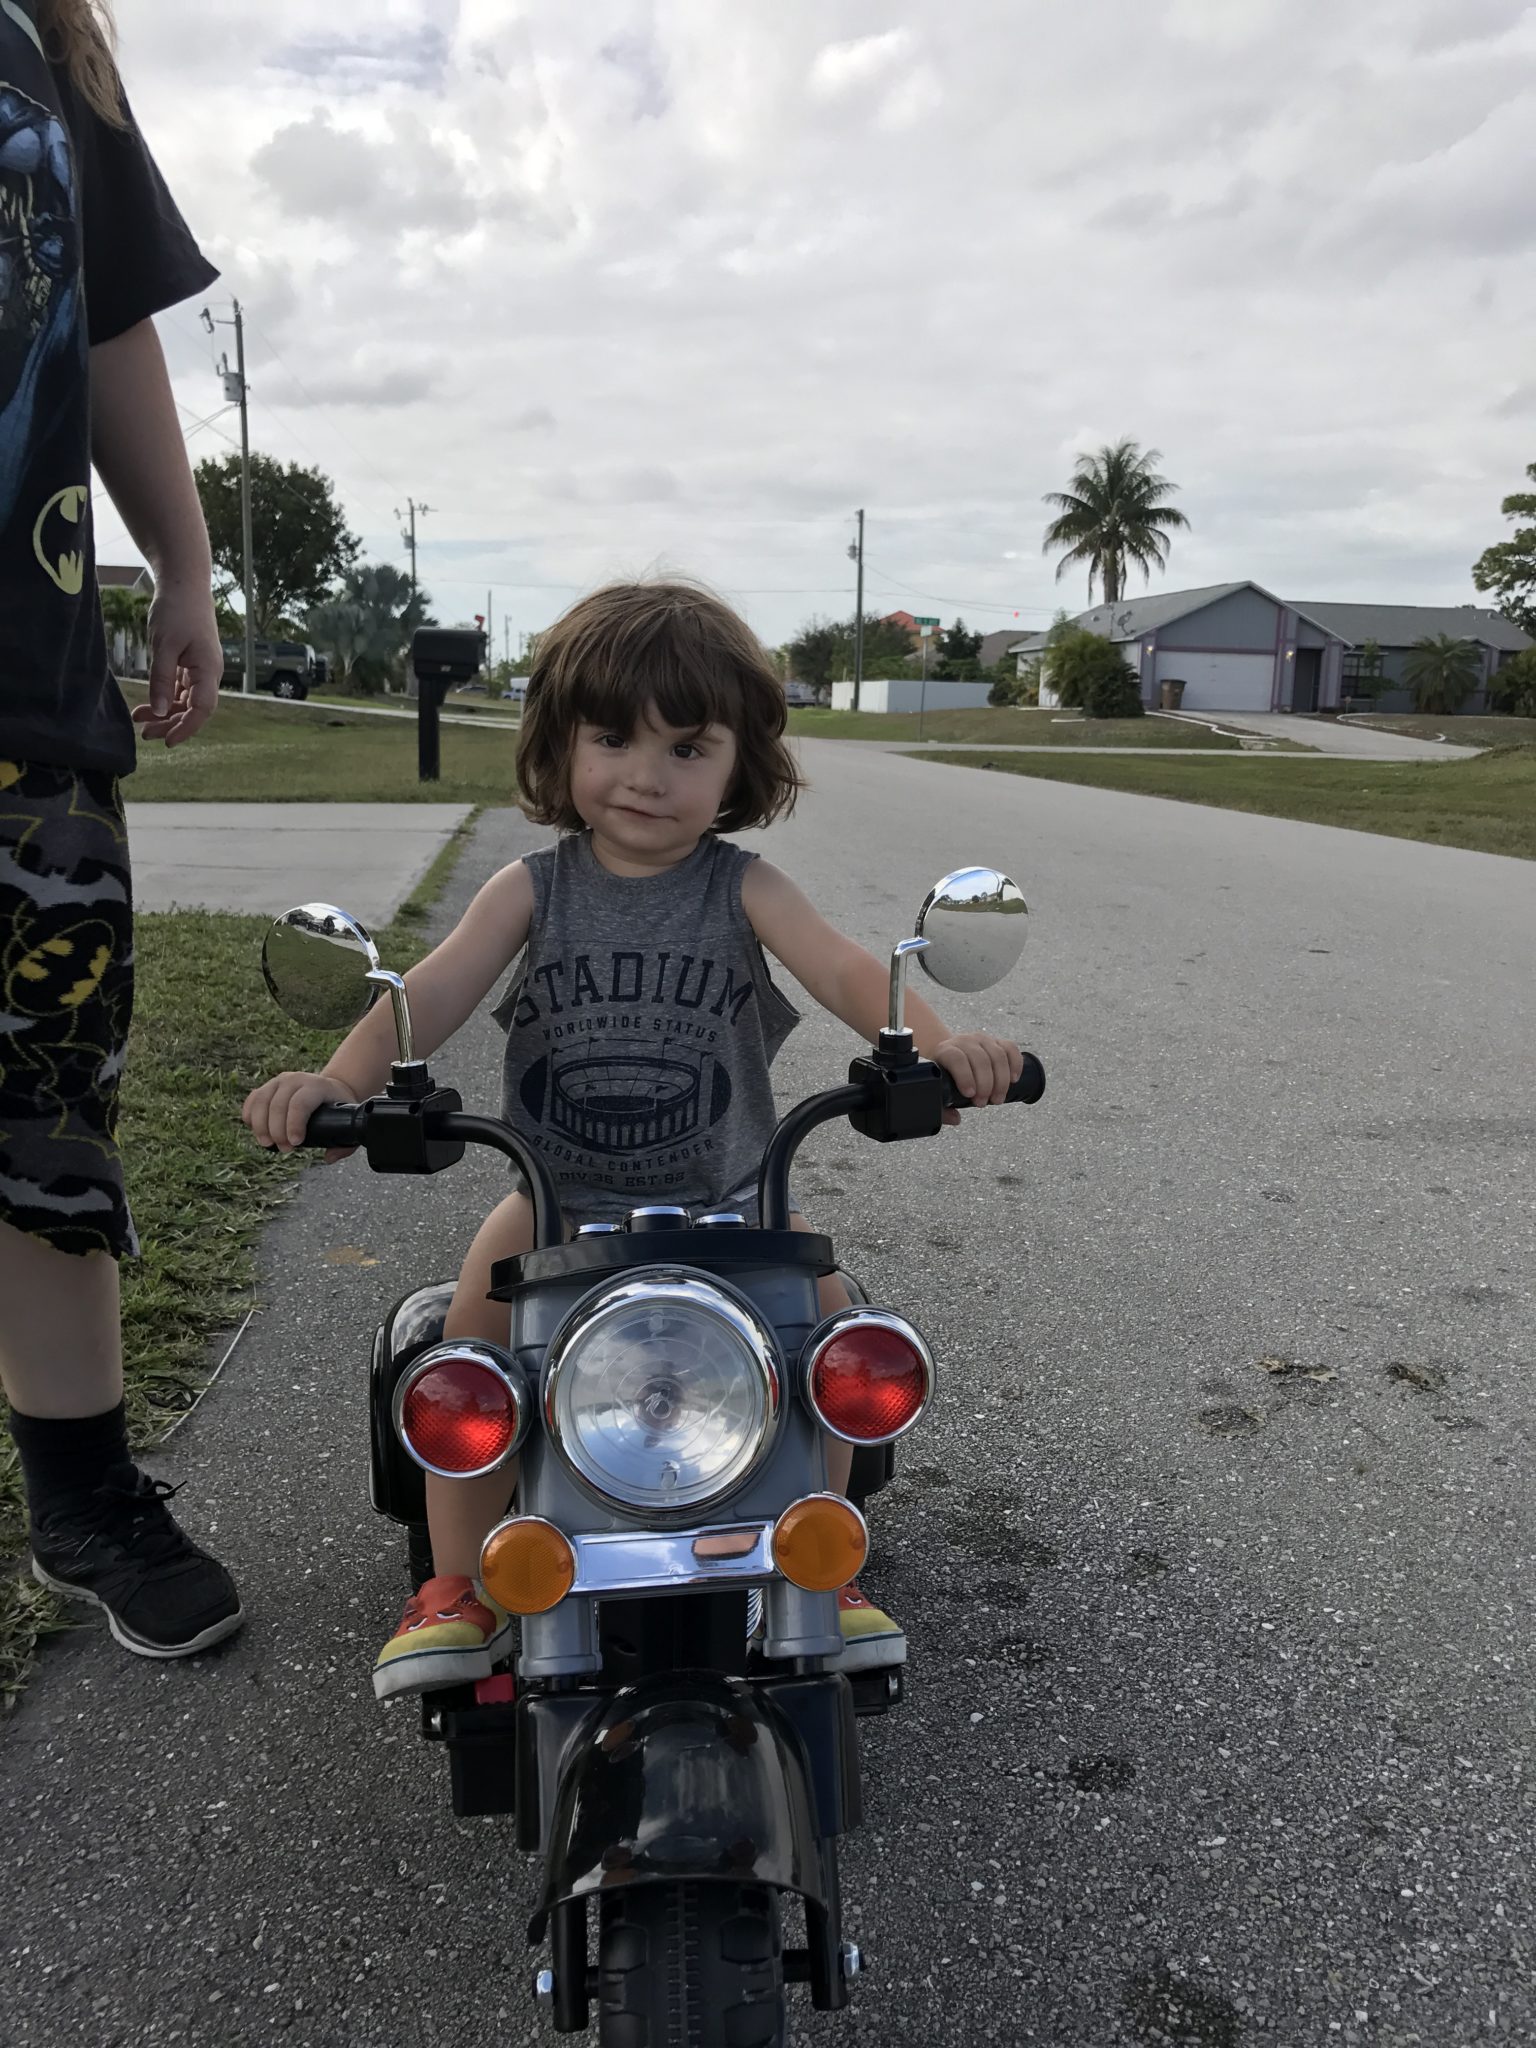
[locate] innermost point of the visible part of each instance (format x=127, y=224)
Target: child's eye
x=610, y=739
x=685, y=750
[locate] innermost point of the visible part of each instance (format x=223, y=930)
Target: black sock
x=65, y=1458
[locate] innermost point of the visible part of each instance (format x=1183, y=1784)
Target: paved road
x=264, y=857
x=1221, y=1719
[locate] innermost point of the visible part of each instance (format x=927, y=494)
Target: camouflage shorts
x=66, y=995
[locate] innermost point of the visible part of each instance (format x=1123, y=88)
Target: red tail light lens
x=868, y=1376
x=462, y=1409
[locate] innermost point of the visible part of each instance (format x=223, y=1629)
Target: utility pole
x=237, y=390
x=409, y=537
x=856, y=551
x=413, y=513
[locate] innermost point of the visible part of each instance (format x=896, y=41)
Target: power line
x=973, y=604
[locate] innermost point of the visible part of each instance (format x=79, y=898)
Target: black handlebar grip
x=1029, y=1087
x=336, y=1123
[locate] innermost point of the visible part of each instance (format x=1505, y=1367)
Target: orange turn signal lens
x=820, y=1543
x=527, y=1565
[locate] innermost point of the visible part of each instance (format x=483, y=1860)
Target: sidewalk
x=1331, y=736
x=267, y=857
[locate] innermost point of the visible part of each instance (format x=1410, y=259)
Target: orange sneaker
x=450, y=1634
x=871, y=1640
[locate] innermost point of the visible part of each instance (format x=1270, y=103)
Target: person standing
x=91, y=247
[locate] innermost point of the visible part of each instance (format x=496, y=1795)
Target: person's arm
x=137, y=446
x=445, y=990
x=855, y=986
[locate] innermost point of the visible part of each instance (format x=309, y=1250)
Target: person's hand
x=185, y=663
x=982, y=1067
x=278, y=1112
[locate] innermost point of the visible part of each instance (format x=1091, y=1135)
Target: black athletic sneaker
x=123, y=1551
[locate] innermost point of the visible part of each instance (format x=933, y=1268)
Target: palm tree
x=1112, y=514
x=1442, y=672
x=368, y=624
x=126, y=614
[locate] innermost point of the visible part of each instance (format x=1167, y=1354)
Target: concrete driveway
x=1333, y=736
x=266, y=857
x=1215, y=1556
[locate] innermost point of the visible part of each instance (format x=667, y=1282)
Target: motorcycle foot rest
x=876, y=1692
x=478, y=1723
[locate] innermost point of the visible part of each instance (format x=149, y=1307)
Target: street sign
x=926, y=625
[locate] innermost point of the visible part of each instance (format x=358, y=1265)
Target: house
x=1238, y=647
x=134, y=577
x=995, y=645
x=124, y=647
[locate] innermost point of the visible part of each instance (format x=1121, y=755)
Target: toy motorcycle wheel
x=690, y=1966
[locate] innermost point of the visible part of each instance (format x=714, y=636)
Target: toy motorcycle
x=675, y=1737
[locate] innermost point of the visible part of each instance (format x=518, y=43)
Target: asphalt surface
x=1220, y=1722
x=266, y=857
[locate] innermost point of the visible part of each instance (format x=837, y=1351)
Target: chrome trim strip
x=822, y=1336
x=654, y=1561
x=495, y=1360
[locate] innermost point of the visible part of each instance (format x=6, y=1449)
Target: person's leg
x=100, y=1529
x=452, y=1632
x=870, y=1638
x=60, y=1338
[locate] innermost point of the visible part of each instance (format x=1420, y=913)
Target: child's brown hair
x=672, y=645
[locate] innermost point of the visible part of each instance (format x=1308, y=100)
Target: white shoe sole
x=125, y=1636
x=431, y=1670
x=873, y=1653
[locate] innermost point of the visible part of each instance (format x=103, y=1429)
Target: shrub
x=1087, y=670
x=1513, y=689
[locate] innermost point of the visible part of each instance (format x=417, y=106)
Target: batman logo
x=65, y=565
x=61, y=971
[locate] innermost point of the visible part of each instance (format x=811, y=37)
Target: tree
x=127, y=612
x=1508, y=568
x=300, y=542
x=959, y=653
x=366, y=626
x=1112, y=514
x=1086, y=669
x=1513, y=688
x=823, y=649
x=1441, y=672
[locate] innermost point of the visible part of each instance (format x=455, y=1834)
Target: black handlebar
x=340, y=1124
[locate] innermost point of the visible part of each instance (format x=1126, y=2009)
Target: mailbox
x=446, y=655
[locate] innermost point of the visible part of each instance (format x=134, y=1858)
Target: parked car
x=799, y=693
x=285, y=668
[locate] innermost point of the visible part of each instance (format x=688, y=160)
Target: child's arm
x=445, y=989
x=855, y=986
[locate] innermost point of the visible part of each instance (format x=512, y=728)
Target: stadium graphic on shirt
x=628, y=1103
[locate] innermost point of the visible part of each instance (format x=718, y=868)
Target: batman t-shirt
x=90, y=245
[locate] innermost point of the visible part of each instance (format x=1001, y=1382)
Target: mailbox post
x=441, y=656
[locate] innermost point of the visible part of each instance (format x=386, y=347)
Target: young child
x=643, y=1020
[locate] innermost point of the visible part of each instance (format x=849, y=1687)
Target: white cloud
x=633, y=281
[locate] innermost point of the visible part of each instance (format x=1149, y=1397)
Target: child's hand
x=278, y=1112
x=982, y=1067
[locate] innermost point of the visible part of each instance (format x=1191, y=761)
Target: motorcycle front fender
x=684, y=1777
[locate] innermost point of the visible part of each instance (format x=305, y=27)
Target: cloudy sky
x=629, y=284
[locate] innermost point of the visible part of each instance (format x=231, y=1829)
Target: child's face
x=650, y=795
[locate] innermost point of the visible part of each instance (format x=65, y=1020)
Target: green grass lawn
x=1001, y=724
x=1472, y=731
x=1488, y=804
x=260, y=752
x=205, y=1031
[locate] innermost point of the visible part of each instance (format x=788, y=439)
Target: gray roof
x=1401, y=625
x=1133, y=616
x=995, y=645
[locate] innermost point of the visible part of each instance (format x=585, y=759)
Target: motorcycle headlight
x=662, y=1392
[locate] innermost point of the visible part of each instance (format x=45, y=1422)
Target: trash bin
x=1173, y=695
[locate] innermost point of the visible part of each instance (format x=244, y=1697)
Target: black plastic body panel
x=396, y=1484
x=692, y=1776
x=730, y=1252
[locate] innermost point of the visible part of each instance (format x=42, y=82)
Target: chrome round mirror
x=316, y=961
x=974, y=922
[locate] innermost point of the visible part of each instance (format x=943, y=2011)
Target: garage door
x=1221, y=682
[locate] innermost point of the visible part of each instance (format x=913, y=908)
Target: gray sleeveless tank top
x=641, y=1022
